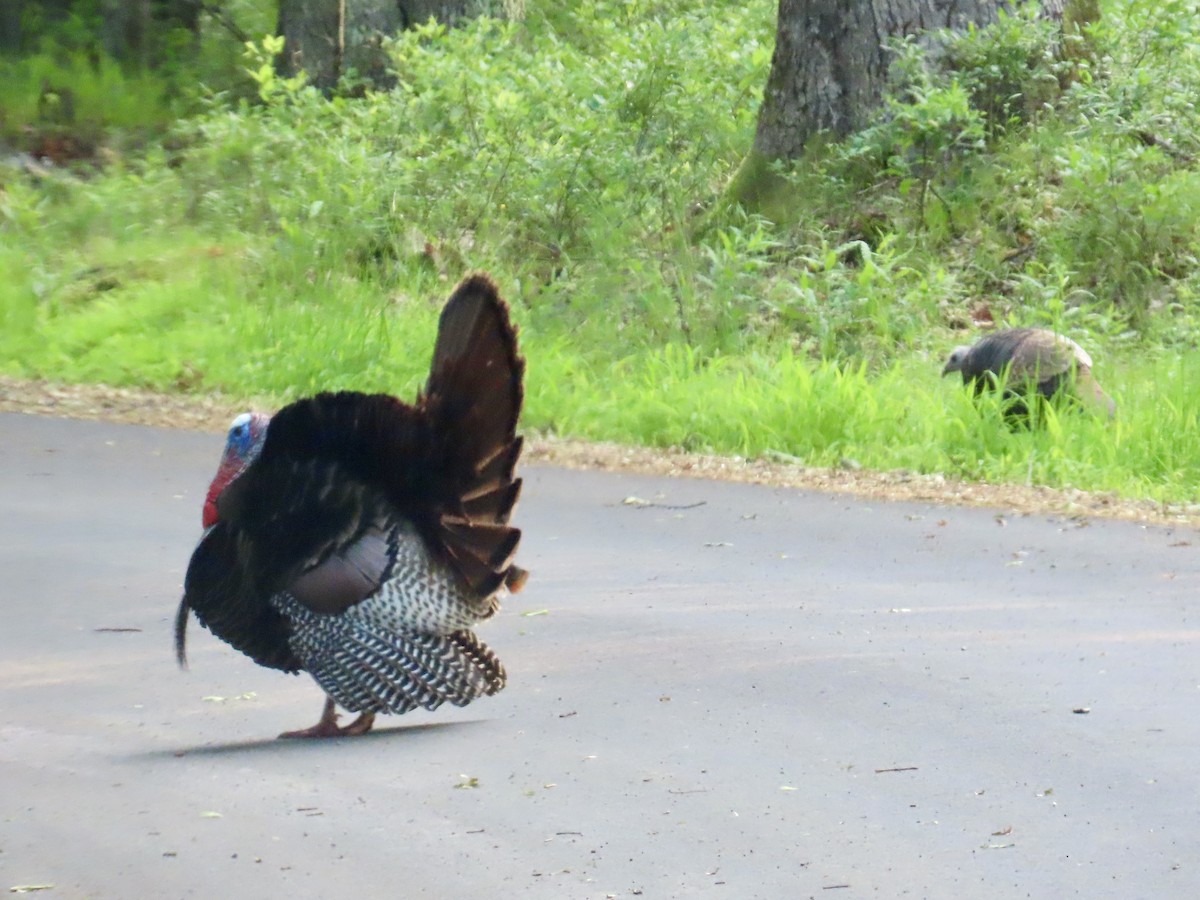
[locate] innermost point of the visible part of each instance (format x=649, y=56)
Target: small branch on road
x=639, y=503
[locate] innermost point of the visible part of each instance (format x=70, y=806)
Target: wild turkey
x=1029, y=360
x=359, y=538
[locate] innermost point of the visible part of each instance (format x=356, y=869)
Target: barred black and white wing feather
x=364, y=537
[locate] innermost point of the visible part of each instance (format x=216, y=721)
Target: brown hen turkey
x=1029, y=361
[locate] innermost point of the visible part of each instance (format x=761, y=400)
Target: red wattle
x=210, y=511
x=225, y=474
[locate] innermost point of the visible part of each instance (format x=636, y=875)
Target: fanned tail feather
x=515, y=578
x=495, y=469
x=494, y=505
x=492, y=545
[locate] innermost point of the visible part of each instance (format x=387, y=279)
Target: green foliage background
x=249, y=236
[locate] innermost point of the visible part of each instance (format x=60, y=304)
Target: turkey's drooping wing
x=1043, y=355
x=367, y=671
x=406, y=644
x=348, y=575
x=221, y=592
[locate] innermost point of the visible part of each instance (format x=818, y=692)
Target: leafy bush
x=1013, y=70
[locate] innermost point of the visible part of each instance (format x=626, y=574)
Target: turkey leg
x=328, y=726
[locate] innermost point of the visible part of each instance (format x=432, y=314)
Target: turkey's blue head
x=242, y=446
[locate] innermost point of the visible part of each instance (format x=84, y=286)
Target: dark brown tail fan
x=473, y=400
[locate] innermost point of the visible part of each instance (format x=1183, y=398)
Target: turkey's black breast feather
x=225, y=602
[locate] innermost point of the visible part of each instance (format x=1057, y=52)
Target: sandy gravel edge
x=214, y=413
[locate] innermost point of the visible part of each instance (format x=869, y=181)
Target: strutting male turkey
x=1029, y=362
x=359, y=538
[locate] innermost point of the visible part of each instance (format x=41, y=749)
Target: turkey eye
x=239, y=437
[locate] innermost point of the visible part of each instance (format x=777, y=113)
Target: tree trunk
x=418, y=12
x=326, y=38
x=311, y=30
x=831, y=63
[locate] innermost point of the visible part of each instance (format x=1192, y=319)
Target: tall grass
x=903, y=418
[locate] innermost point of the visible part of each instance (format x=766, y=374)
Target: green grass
x=903, y=418
x=278, y=248
x=192, y=315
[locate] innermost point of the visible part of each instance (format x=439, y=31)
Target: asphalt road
x=736, y=692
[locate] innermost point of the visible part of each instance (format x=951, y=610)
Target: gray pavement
x=771, y=694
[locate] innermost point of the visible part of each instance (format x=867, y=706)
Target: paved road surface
x=738, y=692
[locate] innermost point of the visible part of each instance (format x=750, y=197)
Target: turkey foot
x=328, y=726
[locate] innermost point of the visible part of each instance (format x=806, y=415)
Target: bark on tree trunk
x=830, y=65
x=309, y=29
x=326, y=38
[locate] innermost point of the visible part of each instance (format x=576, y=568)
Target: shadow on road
x=304, y=745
